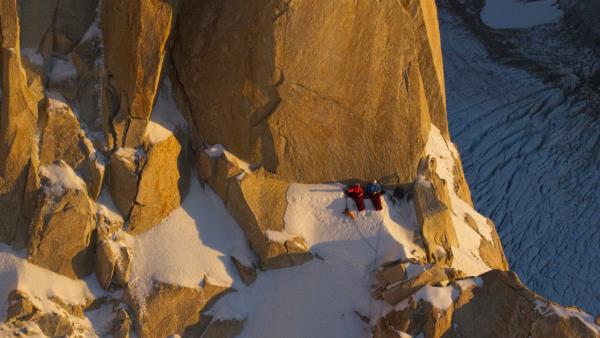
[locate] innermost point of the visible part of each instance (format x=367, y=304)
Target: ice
x=530, y=155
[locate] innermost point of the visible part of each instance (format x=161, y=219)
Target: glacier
x=530, y=154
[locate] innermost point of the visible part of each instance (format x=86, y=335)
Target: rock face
x=163, y=183
x=257, y=201
x=18, y=120
x=62, y=227
x=112, y=260
x=395, y=292
x=284, y=80
x=169, y=309
x=147, y=185
x=433, y=210
x=55, y=26
x=63, y=139
x=25, y=309
x=125, y=165
x=511, y=310
x=135, y=38
x=274, y=93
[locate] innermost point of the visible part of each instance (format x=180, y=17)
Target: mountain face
x=274, y=82
x=177, y=168
x=524, y=114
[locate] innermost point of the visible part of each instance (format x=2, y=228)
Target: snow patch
x=318, y=298
x=218, y=150
x=56, y=101
x=215, y=151
x=193, y=242
x=106, y=206
x=93, y=31
x=41, y=284
x=278, y=236
x=470, y=283
x=546, y=309
x=60, y=176
x=33, y=55
x=165, y=117
x=440, y=298
x=466, y=257
x=519, y=14
x=61, y=70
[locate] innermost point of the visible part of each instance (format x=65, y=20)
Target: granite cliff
x=175, y=168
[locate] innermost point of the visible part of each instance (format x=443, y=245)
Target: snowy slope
x=320, y=298
x=193, y=242
x=41, y=285
x=530, y=154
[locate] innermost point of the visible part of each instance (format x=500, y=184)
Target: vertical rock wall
x=135, y=40
x=314, y=91
x=18, y=119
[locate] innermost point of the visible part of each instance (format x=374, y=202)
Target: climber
x=374, y=192
x=357, y=194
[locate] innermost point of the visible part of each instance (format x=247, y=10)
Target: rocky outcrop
x=163, y=182
x=55, y=26
x=284, y=80
x=460, y=185
x=492, y=252
x=434, y=212
x=164, y=309
x=257, y=201
x=88, y=62
x=399, y=289
x=18, y=120
x=52, y=316
x=135, y=39
x=62, y=227
x=122, y=325
x=247, y=273
x=511, y=310
x=63, y=139
x=147, y=185
x=112, y=260
x=125, y=166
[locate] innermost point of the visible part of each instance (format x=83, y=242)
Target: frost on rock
x=59, y=177
x=62, y=227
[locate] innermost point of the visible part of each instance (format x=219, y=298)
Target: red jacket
x=355, y=192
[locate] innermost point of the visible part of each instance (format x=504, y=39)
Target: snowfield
x=519, y=14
